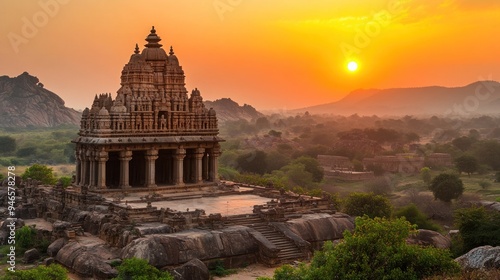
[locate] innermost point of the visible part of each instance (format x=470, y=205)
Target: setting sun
x=352, y=66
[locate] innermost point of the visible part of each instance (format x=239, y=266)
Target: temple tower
x=153, y=133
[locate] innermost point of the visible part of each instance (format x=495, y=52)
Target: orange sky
x=280, y=54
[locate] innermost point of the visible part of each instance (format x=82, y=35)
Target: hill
x=25, y=103
x=474, y=99
x=228, y=110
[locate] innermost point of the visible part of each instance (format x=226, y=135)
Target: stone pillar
x=198, y=156
x=83, y=170
x=205, y=166
x=102, y=157
x=214, y=166
x=179, y=166
x=92, y=175
x=151, y=156
x=125, y=157
x=78, y=168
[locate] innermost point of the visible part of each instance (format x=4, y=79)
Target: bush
x=359, y=204
x=446, y=187
x=413, y=215
x=425, y=173
x=484, y=184
x=218, y=269
x=380, y=185
x=41, y=173
x=25, y=238
x=478, y=227
x=53, y=272
x=140, y=269
x=376, y=249
x=65, y=181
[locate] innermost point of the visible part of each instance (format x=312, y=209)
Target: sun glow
x=352, y=66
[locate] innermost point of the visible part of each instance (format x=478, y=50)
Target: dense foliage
x=413, y=215
x=467, y=164
x=140, y=269
x=359, y=204
x=478, y=227
x=52, y=272
x=446, y=187
x=377, y=249
x=41, y=173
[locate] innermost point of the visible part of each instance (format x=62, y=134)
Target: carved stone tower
x=153, y=133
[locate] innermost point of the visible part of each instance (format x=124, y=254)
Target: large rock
x=192, y=270
x=177, y=248
x=480, y=258
x=317, y=228
x=31, y=256
x=426, y=237
x=85, y=261
x=55, y=246
x=24, y=102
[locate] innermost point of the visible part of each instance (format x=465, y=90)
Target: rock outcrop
x=426, y=237
x=85, y=260
x=318, y=228
x=178, y=248
x=228, y=110
x=193, y=270
x=484, y=257
x=24, y=102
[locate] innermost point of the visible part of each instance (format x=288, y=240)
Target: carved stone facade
x=153, y=133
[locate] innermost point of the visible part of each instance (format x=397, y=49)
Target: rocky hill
x=477, y=98
x=24, y=102
x=228, y=110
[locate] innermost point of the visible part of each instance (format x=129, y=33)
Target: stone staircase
x=288, y=250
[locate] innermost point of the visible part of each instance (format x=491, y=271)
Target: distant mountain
x=477, y=98
x=24, y=102
x=228, y=110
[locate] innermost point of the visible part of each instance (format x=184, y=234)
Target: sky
x=273, y=55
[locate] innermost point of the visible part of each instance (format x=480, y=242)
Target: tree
x=467, y=164
x=376, y=249
x=26, y=238
x=413, y=215
x=478, y=227
x=425, y=173
x=253, y=162
x=7, y=144
x=379, y=185
x=41, y=173
x=359, y=204
x=140, y=269
x=262, y=123
x=53, y=272
x=463, y=143
x=446, y=187
x=312, y=166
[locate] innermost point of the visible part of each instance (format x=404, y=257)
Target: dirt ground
x=250, y=272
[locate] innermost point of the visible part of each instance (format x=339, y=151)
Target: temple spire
x=153, y=39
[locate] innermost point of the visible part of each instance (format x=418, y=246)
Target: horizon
x=77, y=52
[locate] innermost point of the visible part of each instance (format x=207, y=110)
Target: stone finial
x=136, y=51
x=171, y=51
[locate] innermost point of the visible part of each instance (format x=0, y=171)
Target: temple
x=152, y=134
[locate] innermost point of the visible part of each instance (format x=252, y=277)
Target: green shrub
x=140, y=269
x=25, y=238
x=218, y=269
x=52, y=272
x=41, y=173
x=359, y=204
x=413, y=215
x=484, y=184
x=478, y=227
x=376, y=249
